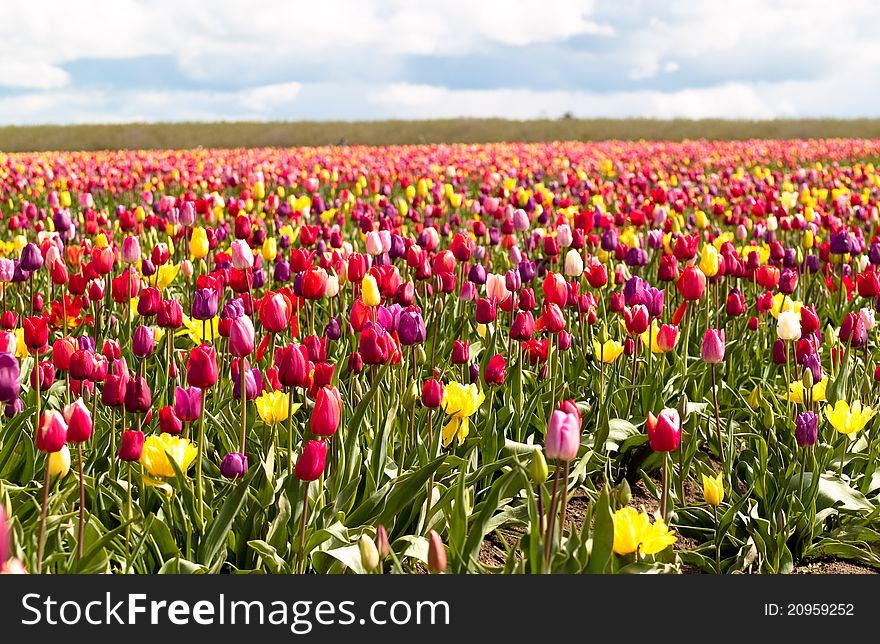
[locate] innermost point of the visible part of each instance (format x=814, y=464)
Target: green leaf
x=833, y=492
x=603, y=535
x=219, y=528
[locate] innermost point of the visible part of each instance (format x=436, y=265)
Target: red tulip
x=36, y=333
x=691, y=283
x=275, y=312
x=201, y=367
x=495, y=373
x=636, y=319
x=310, y=464
x=52, y=432
x=325, y=415
x=664, y=431
x=79, y=422
x=132, y=445
x=169, y=423
x=555, y=289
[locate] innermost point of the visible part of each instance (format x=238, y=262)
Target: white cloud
x=730, y=101
x=354, y=58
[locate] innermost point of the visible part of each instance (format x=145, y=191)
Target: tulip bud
x=369, y=553
x=623, y=493
x=436, y=553
x=382, y=545
x=538, y=470
x=234, y=465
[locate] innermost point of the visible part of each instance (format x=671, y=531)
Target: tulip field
x=611, y=357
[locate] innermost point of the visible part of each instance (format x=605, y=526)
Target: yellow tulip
x=166, y=275
x=796, y=391
x=155, y=459
x=259, y=190
x=607, y=352
x=656, y=538
x=65, y=199
x=460, y=401
x=709, y=261
x=198, y=243
x=629, y=526
x=713, y=489
x=370, y=291
x=849, y=419
x=270, y=249
x=274, y=407
x=59, y=462
x=634, y=532
x=199, y=331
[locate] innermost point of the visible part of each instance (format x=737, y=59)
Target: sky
x=98, y=61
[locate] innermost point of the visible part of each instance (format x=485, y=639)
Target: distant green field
x=311, y=133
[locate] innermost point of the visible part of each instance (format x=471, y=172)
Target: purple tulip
x=188, y=403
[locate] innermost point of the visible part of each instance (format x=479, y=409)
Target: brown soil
x=493, y=552
x=833, y=567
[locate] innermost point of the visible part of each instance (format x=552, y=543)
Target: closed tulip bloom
x=149, y=301
x=487, y=310
x=10, y=377
x=293, y=366
x=275, y=312
x=736, y=303
x=201, y=367
x=574, y=263
x=712, y=349
x=868, y=284
x=370, y=291
x=79, y=422
x=188, y=403
x=59, y=462
x=411, y=326
x=253, y=380
x=636, y=319
x=461, y=352
x=495, y=371
x=131, y=446
x=131, y=250
x=241, y=337
x=31, y=258
x=667, y=335
x=138, y=397
x=664, y=431
x=169, y=422
x=170, y=314
x=432, y=393
x=691, y=283
x=523, y=325
x=234, y=465
x=52, y=432
x=310, y=464
x=198, y=243
x=314, y=283
x=563, y=436
x=713, y=489
x=205, y=304
x=113, y=393
x=143, y=342
x=806, y=430
x=853, y=330
x=242, y=255
x=326, y=413
x=45, y=372
x=788, y=326
x=555, y=289
x=436, y=554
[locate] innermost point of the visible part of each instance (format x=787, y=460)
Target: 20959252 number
x=820, y=609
